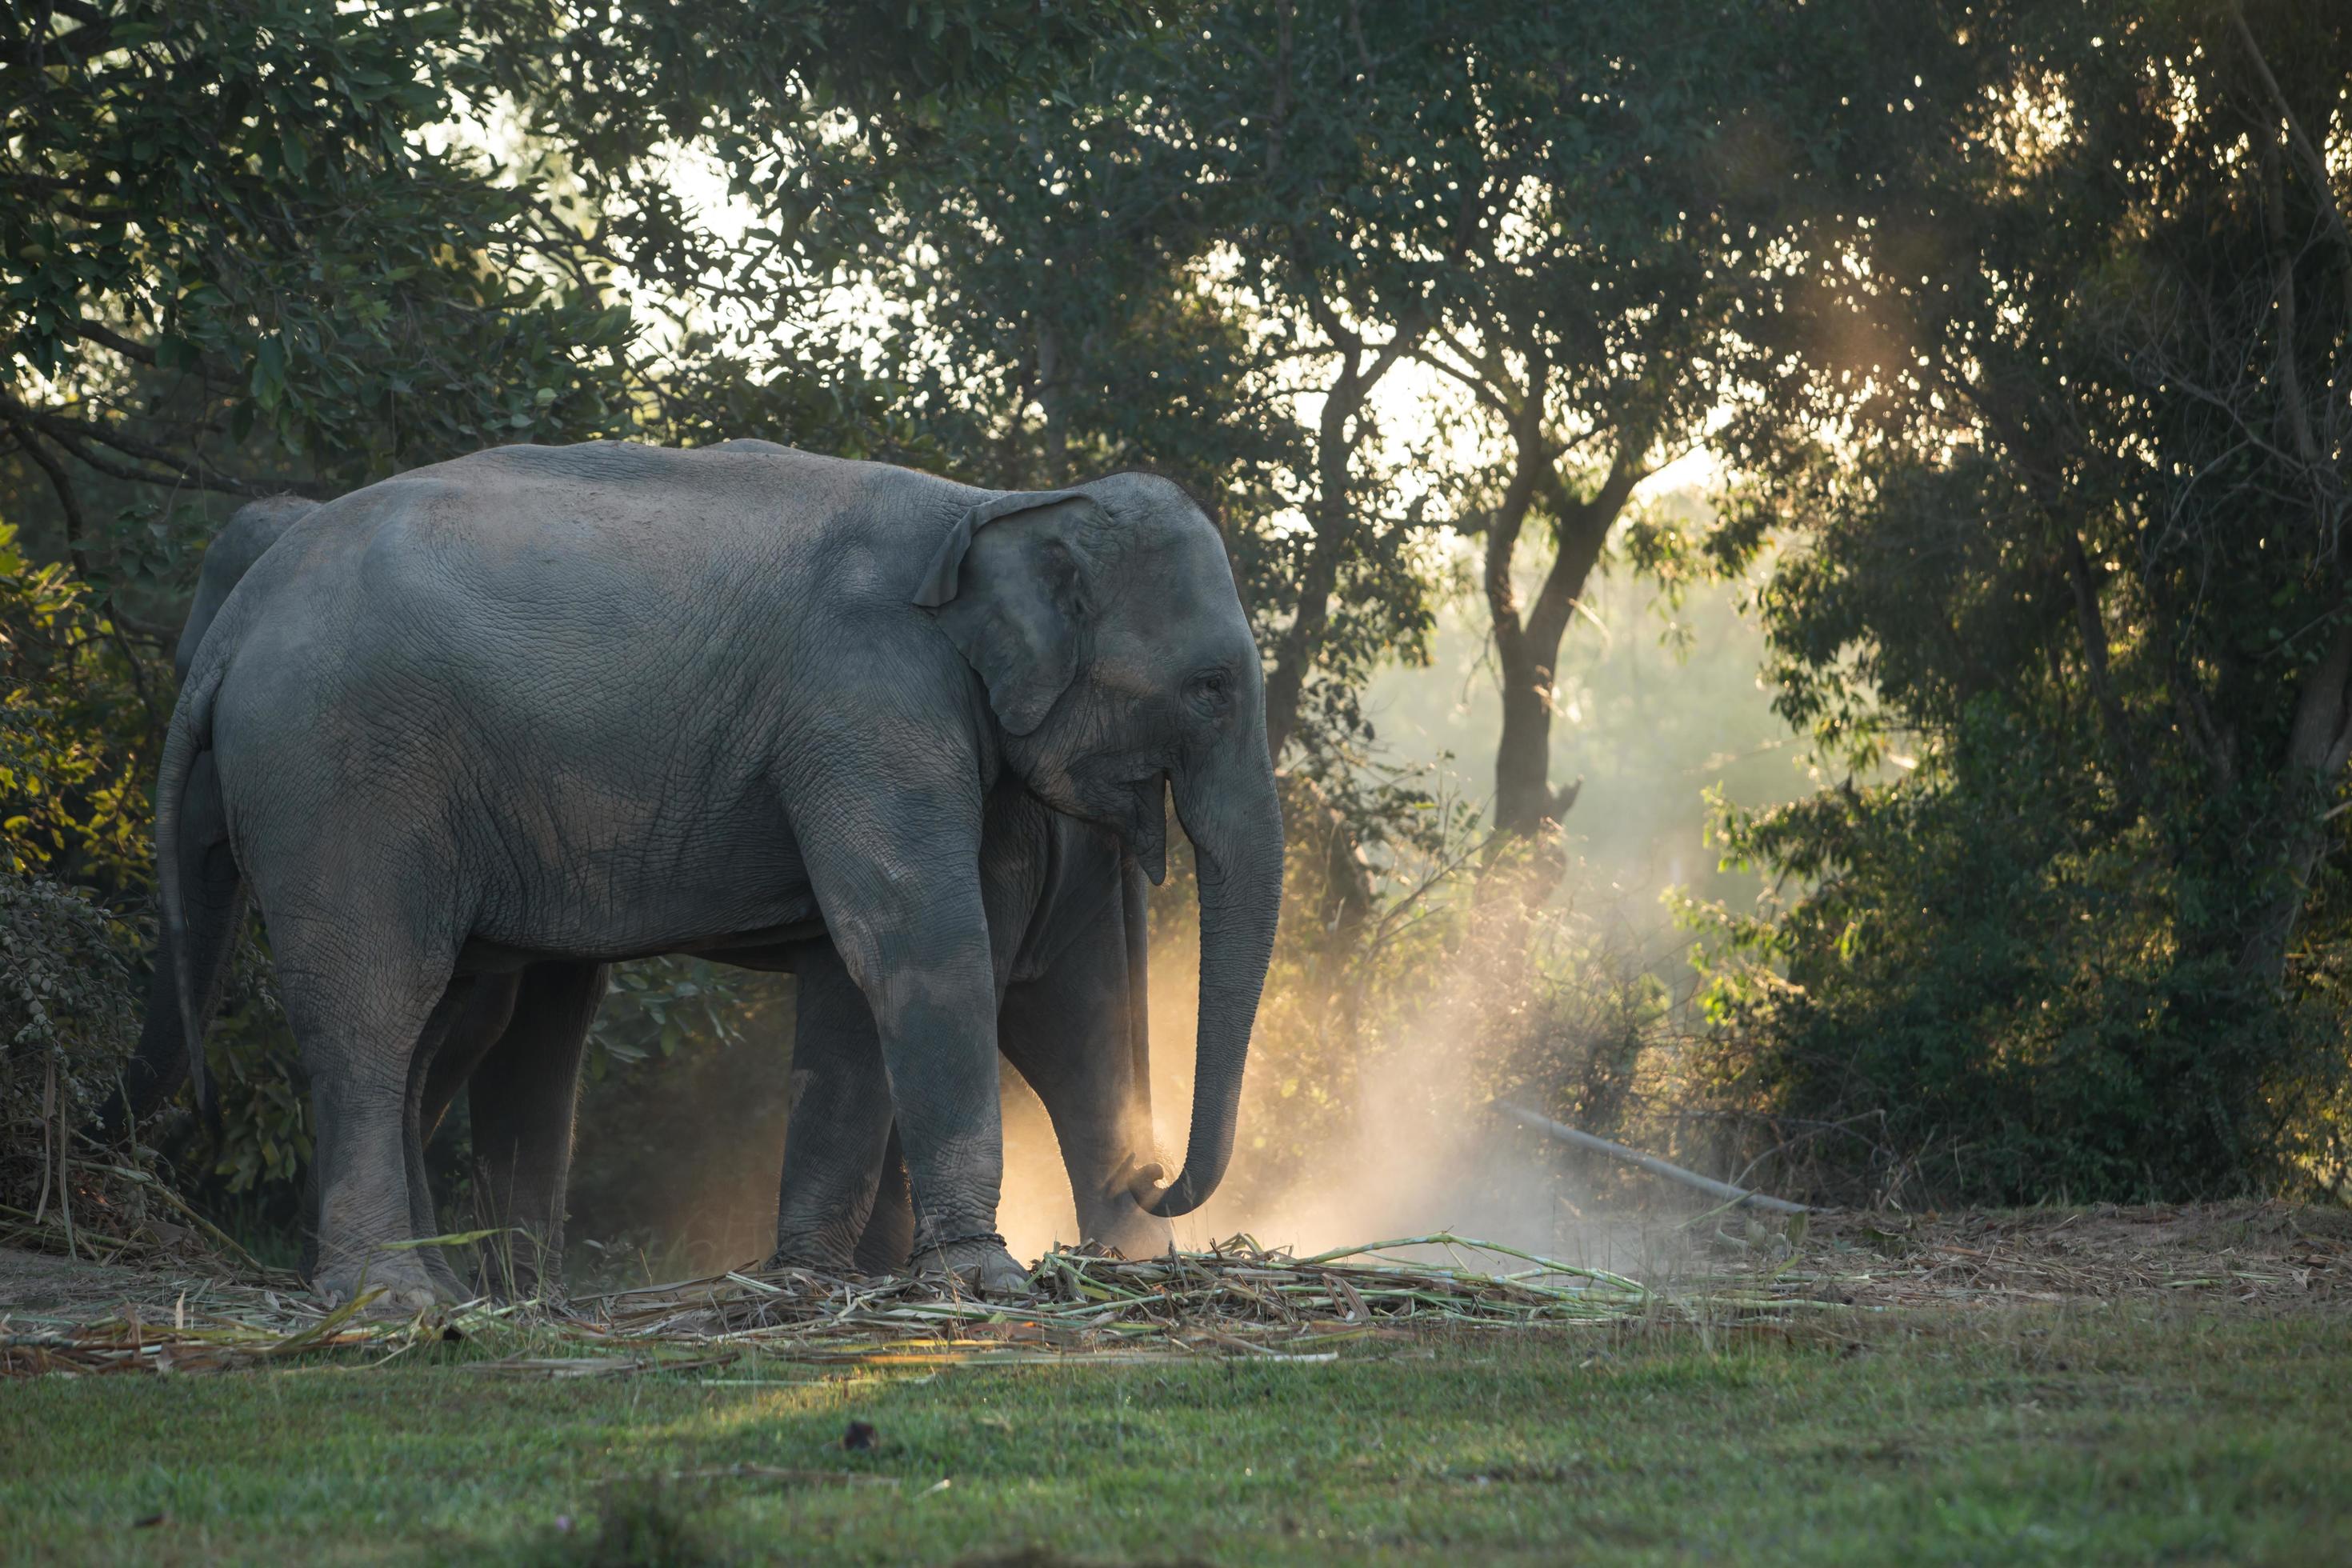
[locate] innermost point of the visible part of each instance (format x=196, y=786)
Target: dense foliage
x=2075, y=572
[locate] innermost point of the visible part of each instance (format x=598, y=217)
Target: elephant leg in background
x=439, y=1025
x=840, y=1127
x=887, y=1244
x=523, y=1096
x=1067, y=1032
x=474, y=1013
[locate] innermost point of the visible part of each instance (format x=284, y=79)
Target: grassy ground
x=2023, y=1433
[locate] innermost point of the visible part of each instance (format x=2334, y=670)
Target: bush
x=2016, y=1008
x=68, y=1017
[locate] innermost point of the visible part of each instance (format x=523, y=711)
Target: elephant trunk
x=1231, y=814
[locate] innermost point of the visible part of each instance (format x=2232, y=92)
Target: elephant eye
x=1211, y=691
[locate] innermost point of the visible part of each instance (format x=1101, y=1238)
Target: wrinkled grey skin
x=1073, y=1024
x=537, y=710
x=252, y=529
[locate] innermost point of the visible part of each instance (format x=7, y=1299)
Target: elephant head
x=1104, y=623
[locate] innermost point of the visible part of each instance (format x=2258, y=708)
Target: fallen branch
x=1650, y=1163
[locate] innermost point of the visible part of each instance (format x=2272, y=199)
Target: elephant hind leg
x=523, y=1097
x=840, y=1129
x=361, y=995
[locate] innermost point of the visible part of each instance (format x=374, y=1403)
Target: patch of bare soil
x=2272, y=1257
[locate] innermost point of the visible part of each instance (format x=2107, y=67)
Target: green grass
x=2025, y=1435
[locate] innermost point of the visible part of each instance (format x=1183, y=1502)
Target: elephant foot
x=399, y=1290
x=814, y=1257
x=975, y=1263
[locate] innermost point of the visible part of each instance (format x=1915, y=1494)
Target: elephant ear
x=1012, y=599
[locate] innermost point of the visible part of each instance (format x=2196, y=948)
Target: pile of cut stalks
x=1237, y=1299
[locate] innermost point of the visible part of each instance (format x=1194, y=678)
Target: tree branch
x=2315, y=166
x=1582, y=531
x=2290, y=378
x=76, y=531
x=77, y=526
x=1531, y=462
x=106, y=337
x=72, y=434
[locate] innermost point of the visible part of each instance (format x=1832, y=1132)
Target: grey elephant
x=537, y=710
x=1073, y=1022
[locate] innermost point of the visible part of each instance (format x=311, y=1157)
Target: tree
x=1625, y=231
x=2077, y=315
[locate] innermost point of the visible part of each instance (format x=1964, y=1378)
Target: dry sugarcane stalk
x=1238, y=1298
x=1650, y=1163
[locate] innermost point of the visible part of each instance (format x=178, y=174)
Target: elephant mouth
x=1146, y=829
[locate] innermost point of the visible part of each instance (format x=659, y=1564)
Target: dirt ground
x=39, y=1288
x=2271, y=1255
x=2272, y=1258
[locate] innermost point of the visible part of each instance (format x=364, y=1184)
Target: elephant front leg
x=933, y=994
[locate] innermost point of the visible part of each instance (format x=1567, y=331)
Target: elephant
x=471, y=733
x=1074, y=1027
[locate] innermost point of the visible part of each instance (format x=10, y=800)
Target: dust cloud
x=1413, y=1148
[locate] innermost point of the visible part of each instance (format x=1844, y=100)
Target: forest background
x=1798, y=547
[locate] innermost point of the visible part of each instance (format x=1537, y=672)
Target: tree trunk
x=1528, y=651
x=1329, y=520
x=2318, y=750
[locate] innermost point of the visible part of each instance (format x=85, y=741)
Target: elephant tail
x=190, y=734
